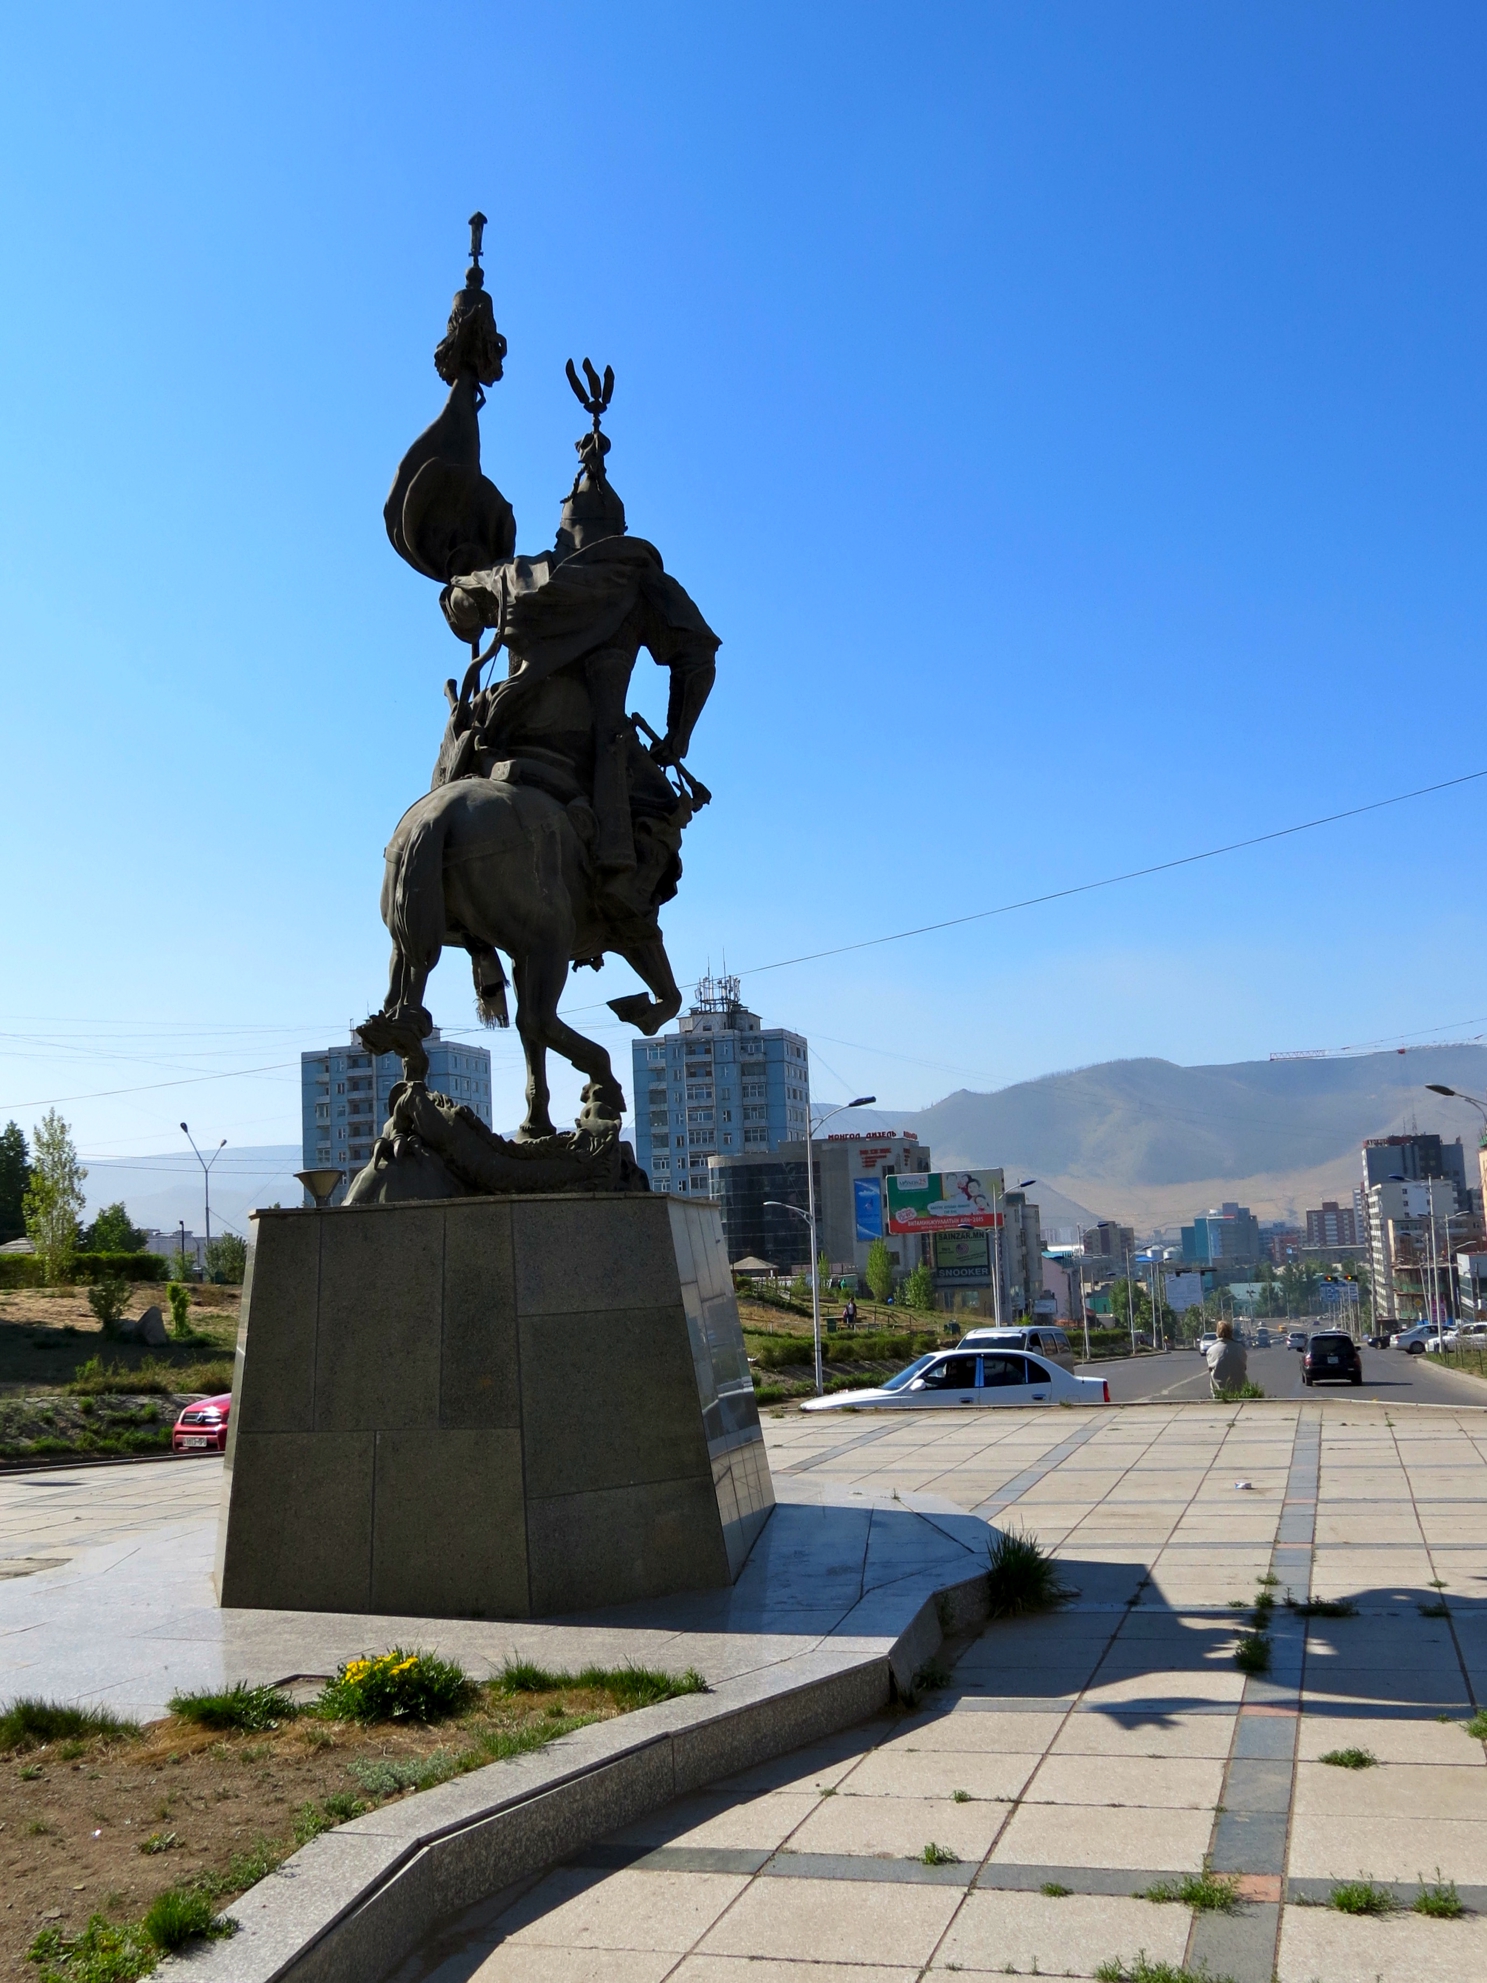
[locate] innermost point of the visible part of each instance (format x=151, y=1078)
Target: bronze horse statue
x=491, y=867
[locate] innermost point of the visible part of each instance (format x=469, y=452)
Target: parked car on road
x=1331, y=1357
x=1044, y=1340
x=1413, y=1341
x=202, y=1427
x=954, y=1379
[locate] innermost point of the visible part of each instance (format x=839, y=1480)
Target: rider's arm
x=693, y=671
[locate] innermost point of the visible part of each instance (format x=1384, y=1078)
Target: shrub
x=238, y=1706
x=1021, y=1577
x=179, y=1298
x=107, y=1298
x=28, y=1722
x=396, y=1685
x=149, y=1377
x=174, y=1916
x=919, y=1289
x=25, y=1270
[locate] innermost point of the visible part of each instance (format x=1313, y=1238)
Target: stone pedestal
x=489, y=1408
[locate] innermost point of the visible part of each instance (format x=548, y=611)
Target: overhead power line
x=902, y=936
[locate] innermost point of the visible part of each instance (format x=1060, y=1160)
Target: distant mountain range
x=1152, y=1143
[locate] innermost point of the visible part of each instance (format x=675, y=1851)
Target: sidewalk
x=1105, y=1748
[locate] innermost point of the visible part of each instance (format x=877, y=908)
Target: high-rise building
x=1227, y=1235
x=344, y=1097
x=1333, y=1226
x=720, y=1085
x=1410, y=1225
x=1106, y=1250
x=1414, y=1157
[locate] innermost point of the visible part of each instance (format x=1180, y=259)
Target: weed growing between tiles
x=1439, y=1899
x=939, y=1855
x=1055, y=1890
x=1361, y=1897
x=1205, y=1893
x=1142, y=1970
x=1022, y=1577
x=1350, y=1759
x=1477, y=1726
x=222, y=1790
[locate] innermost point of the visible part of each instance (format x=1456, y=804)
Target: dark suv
x=1331, y=1356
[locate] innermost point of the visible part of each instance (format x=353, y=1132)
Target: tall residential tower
x=719, y=1085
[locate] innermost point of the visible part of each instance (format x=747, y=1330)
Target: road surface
x=1388, y=1375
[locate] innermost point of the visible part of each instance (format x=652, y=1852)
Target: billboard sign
x=867, y=1207
x=962, y=1257
x=939, y=1201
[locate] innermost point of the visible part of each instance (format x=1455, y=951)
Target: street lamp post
x=206, y=1181
x=997, y=1256
x=809, y=1215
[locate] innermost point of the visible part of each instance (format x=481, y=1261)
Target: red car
x=202, y=1427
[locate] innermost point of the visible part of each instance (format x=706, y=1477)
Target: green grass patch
x=1361, y=1897
x=1439, y=1899
x=312, y=1819
x=101, y=1953
x=1350, y=1759
x=180, y=1914
x=396, y=1686
x=1325, y=1607
x=150, y=1376
x=1205, y=1893
x=29, y=1722
x=1252, y=1654
x=1021, y=1576
x=1437, y=1608
x=1476, y=1728
x=627, y=1686
x=1055, y=1890
x=1235, y=1394
x=239, y=1706
x=939, y=1855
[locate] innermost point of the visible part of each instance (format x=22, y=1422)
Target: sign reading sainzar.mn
x=934, y=1201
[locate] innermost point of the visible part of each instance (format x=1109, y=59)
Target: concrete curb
x=354, y=1903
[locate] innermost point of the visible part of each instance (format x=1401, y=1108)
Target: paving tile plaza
x=1105, y=1747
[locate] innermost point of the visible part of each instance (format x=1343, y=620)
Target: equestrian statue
x=552, y=827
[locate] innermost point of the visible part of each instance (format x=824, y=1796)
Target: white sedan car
x=951, y=1379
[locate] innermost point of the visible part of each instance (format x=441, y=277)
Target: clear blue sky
x=1071, y=418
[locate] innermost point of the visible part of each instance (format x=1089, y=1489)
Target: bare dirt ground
x=103, y=1826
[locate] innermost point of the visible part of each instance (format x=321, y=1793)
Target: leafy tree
x=54, y=1198
x=1121, y=1295
x=879, y=1270
x=15, y=1175
x=227, y=1259
x=919, y=1289
x=112, y=1232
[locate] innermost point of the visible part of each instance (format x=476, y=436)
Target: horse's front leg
x=648, y=960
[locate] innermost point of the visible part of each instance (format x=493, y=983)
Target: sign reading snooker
x=941, y=1201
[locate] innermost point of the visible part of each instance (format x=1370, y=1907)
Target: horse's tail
x=490, y=986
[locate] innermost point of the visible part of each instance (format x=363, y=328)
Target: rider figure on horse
x=573, y=622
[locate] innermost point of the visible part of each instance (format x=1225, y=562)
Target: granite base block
x=489, y=1408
